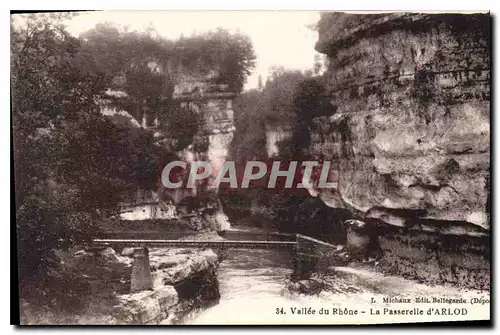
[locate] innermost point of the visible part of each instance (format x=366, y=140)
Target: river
x=252, y=287
x=251, y=284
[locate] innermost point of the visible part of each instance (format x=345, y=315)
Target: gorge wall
x=411, y=137
x=213, y=106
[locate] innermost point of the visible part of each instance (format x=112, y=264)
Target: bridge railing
x=194, y=244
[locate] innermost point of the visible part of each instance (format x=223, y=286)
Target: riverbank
x=248, y=287
x=95, y=289
x=255, y=289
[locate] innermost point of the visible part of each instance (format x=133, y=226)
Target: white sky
x=279, y=37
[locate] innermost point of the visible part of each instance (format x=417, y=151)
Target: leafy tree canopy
x=73, y=165
x=146, y=67
x=115, y=50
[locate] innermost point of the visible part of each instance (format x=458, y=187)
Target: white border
x=357, y=5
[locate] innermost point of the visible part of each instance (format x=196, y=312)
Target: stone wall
x=411, y=131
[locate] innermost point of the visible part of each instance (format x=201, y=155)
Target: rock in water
x=361, y=241
x=128, y=252
x=108, y=255
x=146, y=307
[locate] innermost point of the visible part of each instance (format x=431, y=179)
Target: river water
x=252, y=287
x=251, y=284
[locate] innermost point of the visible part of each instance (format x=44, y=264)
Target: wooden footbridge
x=119, y=243
x=307, y=250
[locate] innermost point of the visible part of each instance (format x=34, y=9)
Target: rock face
x=411, y=131
x=182, y=280
x=146, y=307
x=213, y=104
x=458, y=260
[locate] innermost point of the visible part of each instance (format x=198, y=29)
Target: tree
x=318, y=66
x=249, y=118
x=231, y=54
x=310, y=100
x=278, y=95
x=145, y=67
x=254, y=109
x=133, y=62
x=72, y=164
x=180, y=124
x=144, y=88
x=51, y=84
x=288, y=99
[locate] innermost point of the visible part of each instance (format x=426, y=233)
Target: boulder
x=109, y=255
x=199, y=262
x=138, y=308
x=128, y=252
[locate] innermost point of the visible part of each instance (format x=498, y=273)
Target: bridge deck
x=195, y=244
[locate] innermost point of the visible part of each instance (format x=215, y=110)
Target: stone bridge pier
x=141, y=279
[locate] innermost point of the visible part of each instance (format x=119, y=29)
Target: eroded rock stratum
x=411, y=136
x=411, y=132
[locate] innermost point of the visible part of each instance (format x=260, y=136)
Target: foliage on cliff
x=146, y=66
x=310, y=100
x=231, y=54
x=130, y=62
x=257, y=108
x=289, y=99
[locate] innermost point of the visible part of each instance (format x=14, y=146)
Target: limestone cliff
x=213, y=106
x=410, y=137
x=411, y=131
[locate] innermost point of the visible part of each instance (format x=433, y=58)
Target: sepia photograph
x=250, y=167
